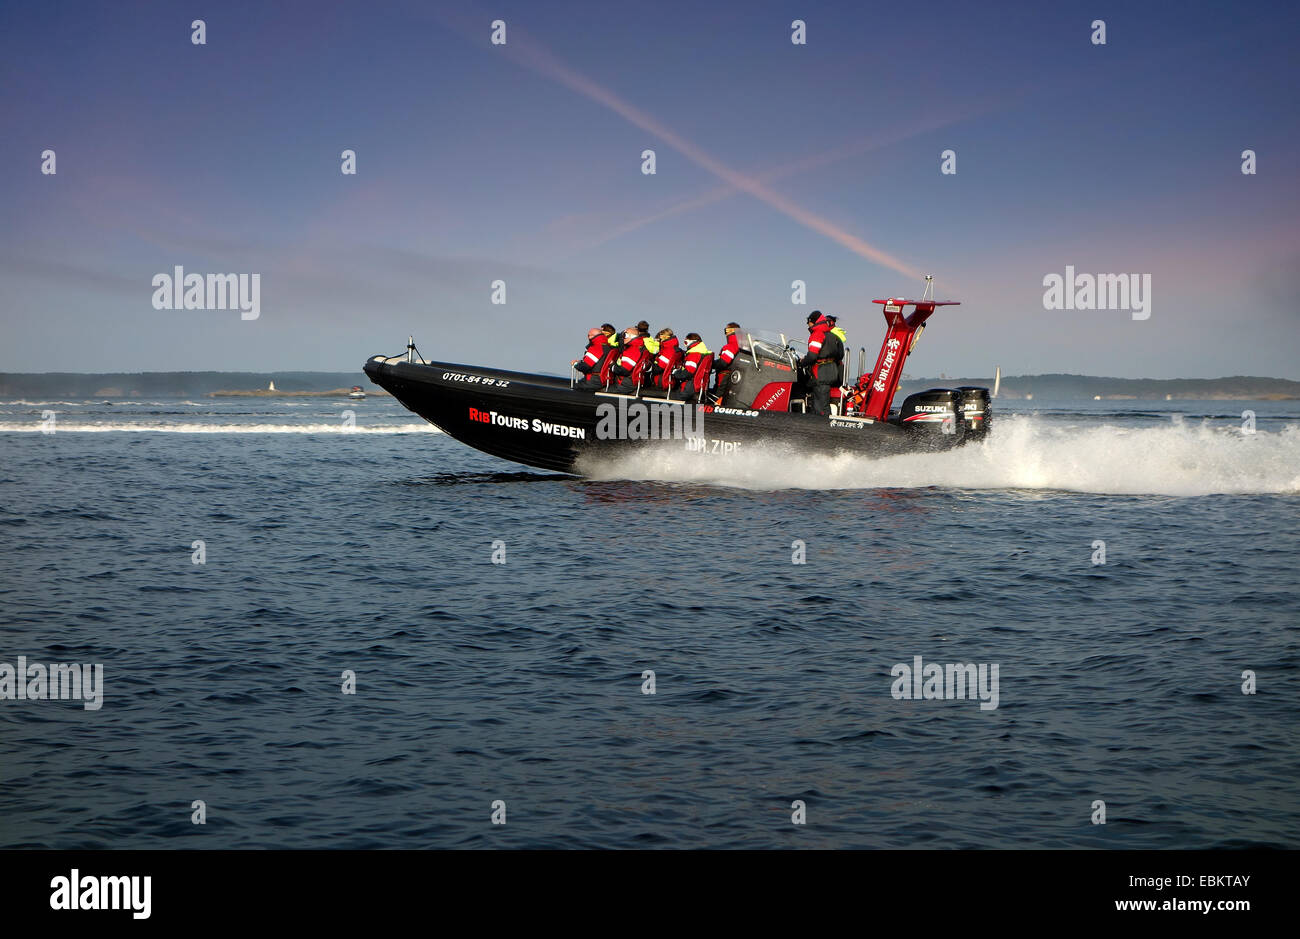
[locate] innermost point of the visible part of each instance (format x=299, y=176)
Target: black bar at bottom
x=945, y=888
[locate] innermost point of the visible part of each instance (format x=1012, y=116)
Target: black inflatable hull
x=541, y=421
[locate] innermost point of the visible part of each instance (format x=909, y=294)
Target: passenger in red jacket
x=626, y=373
x=692, y=379
x=666, y=360
x=592, y=360
x=727, y=355
x=731, y=348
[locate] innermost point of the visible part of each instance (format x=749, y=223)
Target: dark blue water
x=371, y=551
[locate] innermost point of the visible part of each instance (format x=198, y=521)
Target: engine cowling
x=976, y=409
x=932, y=412
x=963, y=411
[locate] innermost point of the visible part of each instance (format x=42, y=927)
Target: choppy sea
x=1130, y=568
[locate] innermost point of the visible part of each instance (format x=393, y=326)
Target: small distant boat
x=1096, y=397
x=356, y=392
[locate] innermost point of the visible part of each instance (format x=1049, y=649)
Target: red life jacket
x=815, y=340
x=633, y=357
x=729, y=350
x=817, y=337
x=591, y=358
x=699, y=362
x=669, y=358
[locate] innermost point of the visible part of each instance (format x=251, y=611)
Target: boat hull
x=541, y=421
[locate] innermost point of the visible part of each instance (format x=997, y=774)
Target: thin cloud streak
x=795, y=168
x=542, y=61
x=536, y=57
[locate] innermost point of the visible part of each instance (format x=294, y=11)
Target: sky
x=522, y=162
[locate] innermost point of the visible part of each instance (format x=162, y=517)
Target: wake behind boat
x=549, y=422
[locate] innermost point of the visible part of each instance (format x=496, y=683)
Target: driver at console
x=822, y=361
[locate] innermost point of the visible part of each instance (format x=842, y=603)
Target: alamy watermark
x=80, y=891
x=1073, y=291
x=56, y=682
x=932, y=681
x=641, y=420
x=181, y=291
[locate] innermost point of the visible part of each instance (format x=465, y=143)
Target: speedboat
x=356, y=393
x=547, y=421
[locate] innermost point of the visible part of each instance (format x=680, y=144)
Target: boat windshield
x=769, y=349
x=766, y=343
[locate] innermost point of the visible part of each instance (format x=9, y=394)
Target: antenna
x=928, y=293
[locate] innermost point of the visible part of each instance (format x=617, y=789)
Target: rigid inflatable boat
x=546, y=421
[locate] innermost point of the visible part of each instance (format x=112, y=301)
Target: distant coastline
x=182, y=384
x=335, y=384
x=1091, y=387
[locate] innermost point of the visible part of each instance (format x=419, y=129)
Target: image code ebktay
x=779, y=450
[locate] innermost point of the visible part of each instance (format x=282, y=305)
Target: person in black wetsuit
x=825, y=351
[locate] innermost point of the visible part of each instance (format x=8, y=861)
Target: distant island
x=281, y=393
x=46, y=385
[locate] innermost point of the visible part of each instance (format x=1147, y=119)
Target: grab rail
x=409, y=356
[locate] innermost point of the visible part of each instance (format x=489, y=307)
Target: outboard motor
x=764, y=386
x=976, y=410
x=933, y=412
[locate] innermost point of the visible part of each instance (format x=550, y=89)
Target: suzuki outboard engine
x=963, y=412
x=976, y=410
x=932, y=412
